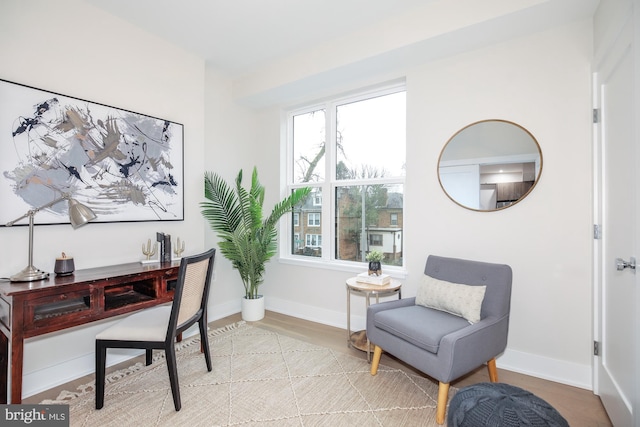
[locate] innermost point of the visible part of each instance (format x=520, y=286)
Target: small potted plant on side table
x=375, y=259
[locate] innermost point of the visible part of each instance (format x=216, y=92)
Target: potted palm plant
x=247, y=239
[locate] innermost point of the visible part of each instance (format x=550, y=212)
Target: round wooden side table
x=358, y=339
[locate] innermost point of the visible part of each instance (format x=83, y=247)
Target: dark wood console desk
x=37, y=308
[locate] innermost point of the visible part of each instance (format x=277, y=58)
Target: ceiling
x=235, y=36
x=239, y=37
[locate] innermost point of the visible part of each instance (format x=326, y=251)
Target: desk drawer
x=128, y=294
x=60, y=309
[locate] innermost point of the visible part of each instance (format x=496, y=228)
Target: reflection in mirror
x=490, y=165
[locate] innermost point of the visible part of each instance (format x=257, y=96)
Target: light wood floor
x=581, y=408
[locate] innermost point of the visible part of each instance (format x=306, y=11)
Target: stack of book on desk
x=383, y=279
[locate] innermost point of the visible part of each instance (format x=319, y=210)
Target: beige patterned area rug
x=259, y=378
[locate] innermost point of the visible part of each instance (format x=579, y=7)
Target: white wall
x=232, y=143
x=542, y=82
x=72, y=48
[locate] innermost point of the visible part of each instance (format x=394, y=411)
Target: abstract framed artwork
x=125, y=166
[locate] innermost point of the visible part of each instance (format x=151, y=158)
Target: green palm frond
x=221, y=208
x=236, y=215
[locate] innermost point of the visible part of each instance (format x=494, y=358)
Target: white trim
x=560, y=371
x=308, y=312
x=41, y=380
x=44, y=379
x=348, y=266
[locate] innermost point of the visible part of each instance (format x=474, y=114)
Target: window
x=314, y=240
x=352, y=149
x=375, y=239
x=296, y=219
x=313, y=219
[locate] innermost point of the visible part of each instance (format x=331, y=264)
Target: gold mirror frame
x=467, y=159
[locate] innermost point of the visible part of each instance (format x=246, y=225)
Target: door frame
x=636, y=137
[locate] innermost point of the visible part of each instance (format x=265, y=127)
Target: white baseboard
x=44, y=379
x=323, y=316
x=556, y=370
x=559, y=371
x=512, y=360
x=52, y=376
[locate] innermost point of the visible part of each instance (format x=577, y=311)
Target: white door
x=617, y=285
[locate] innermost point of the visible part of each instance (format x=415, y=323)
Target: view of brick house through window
x=351, y=151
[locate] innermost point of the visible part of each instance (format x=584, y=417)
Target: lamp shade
x=79, y=214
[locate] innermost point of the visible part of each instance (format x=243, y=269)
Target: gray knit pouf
x=500, y=405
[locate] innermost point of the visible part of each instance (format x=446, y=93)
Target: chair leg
x=204, y=343
x=173, y=374
x=441, y=409
x=148, y=356
x=101, y=356
x=375, y=362
x=493, y=371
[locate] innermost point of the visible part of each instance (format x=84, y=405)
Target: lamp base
x=29, y=274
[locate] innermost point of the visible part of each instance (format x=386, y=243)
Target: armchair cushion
x=454, y=298
x=421, y=326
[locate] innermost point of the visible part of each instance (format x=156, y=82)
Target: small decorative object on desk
x=148, y=251
x=179, y=249
x=382, y=279
x=165, y=246
x=375, y=258
x=64, y=265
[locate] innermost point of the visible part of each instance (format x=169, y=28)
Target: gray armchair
x=442, y=345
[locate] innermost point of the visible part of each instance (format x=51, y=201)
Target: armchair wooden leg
x=441, y=409
x=377, y=353
x=493, y=371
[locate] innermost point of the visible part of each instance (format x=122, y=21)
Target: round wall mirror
x=490, y=165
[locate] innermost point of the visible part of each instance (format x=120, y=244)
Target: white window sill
x=351, y=267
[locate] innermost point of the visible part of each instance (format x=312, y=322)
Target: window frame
x=330, y=184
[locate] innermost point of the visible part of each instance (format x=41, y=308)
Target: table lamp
x=79, y=215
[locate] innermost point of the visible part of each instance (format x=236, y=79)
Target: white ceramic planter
x=253, y=309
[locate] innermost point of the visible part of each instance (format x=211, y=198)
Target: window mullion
x=328, y=205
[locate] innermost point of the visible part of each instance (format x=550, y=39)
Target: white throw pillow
x=454, y=298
